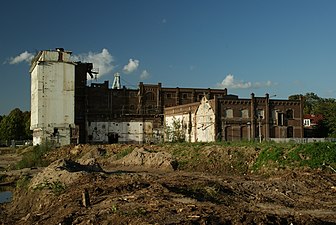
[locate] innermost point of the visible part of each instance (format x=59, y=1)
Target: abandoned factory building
x=230, y=118
x=66, y=109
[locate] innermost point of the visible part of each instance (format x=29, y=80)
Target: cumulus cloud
x=144, y=75
x=131, y=66
x=102, y=60
x=23, y=57
x=230, y=82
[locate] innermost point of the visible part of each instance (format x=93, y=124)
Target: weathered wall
x=205, y=122
x=197, y=121
x=127, y=132
x=52, y=97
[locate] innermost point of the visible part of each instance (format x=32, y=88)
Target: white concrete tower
x=116, y=82
x=52, y=96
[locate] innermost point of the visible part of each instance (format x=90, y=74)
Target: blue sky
x=278, y=47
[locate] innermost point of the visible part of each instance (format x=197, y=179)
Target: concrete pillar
x=267, y=117
x=252, y=118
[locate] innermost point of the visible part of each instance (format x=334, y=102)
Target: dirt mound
x=64, y=171
x=144, y=158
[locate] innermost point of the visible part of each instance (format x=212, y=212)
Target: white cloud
x=230, y=82
x=102, y=60
x=131, y=66
x=23, y=57
x=144, y=75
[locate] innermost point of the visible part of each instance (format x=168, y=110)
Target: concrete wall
x=197, y=123
x=184, y=123
x=52, y=97
x=120, y=132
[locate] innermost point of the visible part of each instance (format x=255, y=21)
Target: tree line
x=315, y=105
x=15, y=126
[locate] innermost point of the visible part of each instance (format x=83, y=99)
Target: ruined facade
x=230, y=118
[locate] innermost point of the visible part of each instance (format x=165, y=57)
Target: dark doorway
x=290, y=132
x=113, y=138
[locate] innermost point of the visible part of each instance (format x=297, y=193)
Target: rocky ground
x=97, y=185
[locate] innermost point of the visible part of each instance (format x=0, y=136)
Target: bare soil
x=92, y=185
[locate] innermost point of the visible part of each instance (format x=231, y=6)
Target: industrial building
x=66, y=109
x=230, y=118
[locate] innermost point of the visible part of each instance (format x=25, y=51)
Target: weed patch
x=34, y=158
x=56, y=187
x=124, y=152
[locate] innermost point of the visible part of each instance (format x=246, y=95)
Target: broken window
x=260, y=114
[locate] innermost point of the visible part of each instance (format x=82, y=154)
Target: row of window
x=151, y=96
x=244, y=113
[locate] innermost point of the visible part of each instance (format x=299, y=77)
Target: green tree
x=327, y=108
x=310, y=101
x=176, y=131
x=14, y=126
x=26, y=117
x=313, y=104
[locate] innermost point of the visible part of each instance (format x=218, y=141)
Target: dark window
x=289, y=114
x=184, y=96
x=280, y=119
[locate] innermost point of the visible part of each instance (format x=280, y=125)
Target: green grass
x=251, y=156
x=34, y=157
x=309, y=155
x=313, y=155
x=124, y=152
